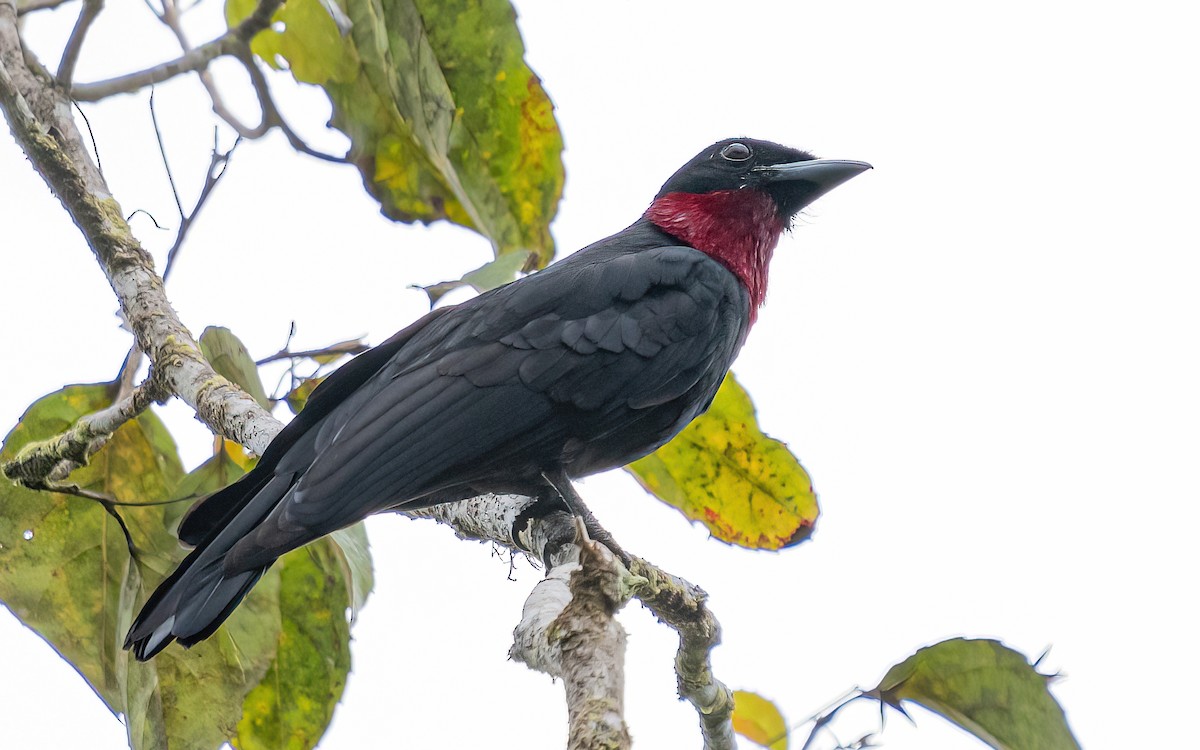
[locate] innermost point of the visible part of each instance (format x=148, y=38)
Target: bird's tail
x=192, y=603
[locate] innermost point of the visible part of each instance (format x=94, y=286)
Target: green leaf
x=758, y=720
x=746, y=487
x=488, y=276
x=986, y=688
x=444, y=118
x=229, y=357
x=229, y=462
x=355, y=559
x=74, y=583
x=293, y=704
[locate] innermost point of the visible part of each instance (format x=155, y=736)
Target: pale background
x=984, y=351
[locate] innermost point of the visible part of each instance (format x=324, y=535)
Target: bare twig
x=190, y=62
x=551, y=538
x=91, y=136
x=66, y=68
x=344, y=347
x=681, y=605
x=148, y=215
x=39, y=115
x=271, y=116
x=822, y=719
x=216, y=169
x=162, y=150
x=172, y=18
x=129, y=368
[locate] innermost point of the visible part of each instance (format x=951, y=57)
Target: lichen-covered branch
x=681, y=605
x=45, y=462
x=39, y=115
x=571, y=631
x=568, y=630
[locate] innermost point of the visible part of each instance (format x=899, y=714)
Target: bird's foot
x=561, y=484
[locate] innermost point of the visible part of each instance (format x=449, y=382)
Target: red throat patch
x=737, y=228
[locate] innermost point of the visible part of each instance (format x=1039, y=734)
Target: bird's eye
x=736, y=152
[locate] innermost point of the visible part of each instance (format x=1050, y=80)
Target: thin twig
x=162, y=150
x=345, y=347
x=149, y=215
x=198, y=59
x=129, y=368
x=216, y=170
x=172, y=17
x=820, y=720
x=270, y=113
x=211, y=179
x=91, y=136
x=681, y=605
x=66, y=68
x=108, y=503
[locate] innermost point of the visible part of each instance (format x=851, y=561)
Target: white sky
x=984, y=351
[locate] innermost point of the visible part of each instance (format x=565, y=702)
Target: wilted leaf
x=747, y=488
x=229, y=357
x=334, y=352
x=984, y=687
x=444, y=118
x=758, y=720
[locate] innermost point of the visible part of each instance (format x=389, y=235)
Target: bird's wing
x=210, y=515
x=537, y=374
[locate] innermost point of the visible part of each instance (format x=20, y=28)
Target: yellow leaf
x=758, y=720
x=746, y=487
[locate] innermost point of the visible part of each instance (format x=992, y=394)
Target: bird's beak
x=822, y=175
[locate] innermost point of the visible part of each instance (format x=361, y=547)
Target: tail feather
x=207, y=517
x=193, y=601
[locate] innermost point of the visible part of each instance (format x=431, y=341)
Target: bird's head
x=734, y=199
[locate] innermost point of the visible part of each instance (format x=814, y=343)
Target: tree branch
x=29, y=6
x=568, y=630
x=553, y=539
x=355, y=346
x=681, y=605
x=197, y=59
x=216, y=170
x=39, y=115
x=588, y=642
x=70, y=56
x=172, y=18
x=44, y=462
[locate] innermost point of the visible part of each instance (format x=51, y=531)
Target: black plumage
x=585, y=366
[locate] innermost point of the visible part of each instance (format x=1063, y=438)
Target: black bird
x=590, y=364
